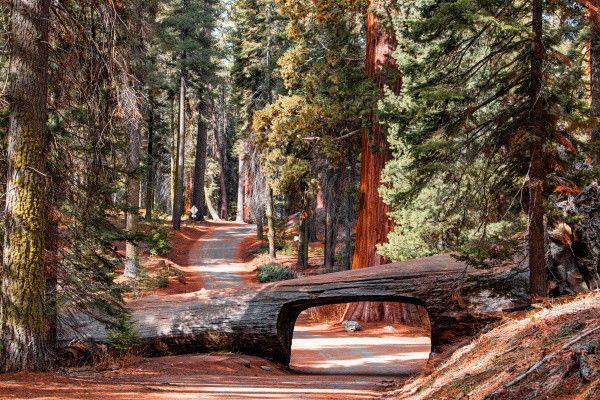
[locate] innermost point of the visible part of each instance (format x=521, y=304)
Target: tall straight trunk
x=198, y=197
x=270, y=224
x=312, y=222
x=23, y=313
x=150, y=164
x=220, y=156
x=178, y=203
x=174, y=152
x=537, y=179
x=133, y=199
x=595, y=72
x=304, y=233
x=373, y=224
x=241, y=189
x=330, y=227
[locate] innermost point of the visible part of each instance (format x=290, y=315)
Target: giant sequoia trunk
x=374, y=225
x=198, y=196
x=537, y=179
x=23, y=335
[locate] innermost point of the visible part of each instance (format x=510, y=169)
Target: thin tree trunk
x=220, y=156
x=304, y=234
x=23, y=335
x=174, y=153
x=133, y=199
x=330, y=231
x=537, y=179
x=150, y=163
x=270, y=224
x=177, y=207
x=198, y=198
x=239, y=216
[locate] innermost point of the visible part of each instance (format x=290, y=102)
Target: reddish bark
x=373, y=223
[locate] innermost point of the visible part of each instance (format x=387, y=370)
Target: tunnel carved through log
x=259, y=319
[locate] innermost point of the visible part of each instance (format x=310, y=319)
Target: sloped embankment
x=552, y=353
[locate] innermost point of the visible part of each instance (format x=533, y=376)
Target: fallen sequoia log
x=259, y=319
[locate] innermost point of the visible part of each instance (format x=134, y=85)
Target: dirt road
x=234, y=377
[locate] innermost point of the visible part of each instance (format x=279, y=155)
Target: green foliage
x=158, y=236
x=122, y=336
x=273, y=272
x=459, y=129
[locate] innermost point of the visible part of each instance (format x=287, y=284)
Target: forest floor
x=215, y=255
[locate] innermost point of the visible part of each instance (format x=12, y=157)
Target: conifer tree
x=23, y=337
x=491, y=104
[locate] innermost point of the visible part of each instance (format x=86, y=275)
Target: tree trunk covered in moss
x=22, y=290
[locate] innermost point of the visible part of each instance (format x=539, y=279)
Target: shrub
x=159, y=239
x=122, y=337
x=274, y=273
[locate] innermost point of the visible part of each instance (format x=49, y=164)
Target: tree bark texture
x=174, y=152
x=595, y=71
x=178, y=203
x=241, y=189
x=537, y=176
x=133, y=197
x=151, y=164
x=23, y=336
x=198, y=197
x=269, y=214
x=373, y=224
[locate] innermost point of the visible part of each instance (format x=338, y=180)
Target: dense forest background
x=408, y=129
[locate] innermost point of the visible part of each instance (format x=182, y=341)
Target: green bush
x=274, y=273
x=159, y=239
x=122, y=337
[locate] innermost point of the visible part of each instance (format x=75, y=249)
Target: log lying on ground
x=259, y=319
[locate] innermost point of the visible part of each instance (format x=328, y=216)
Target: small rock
x=351, y=326
x=389, y=329
x=264, y=367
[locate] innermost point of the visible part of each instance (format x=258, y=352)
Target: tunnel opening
x=356, y=336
